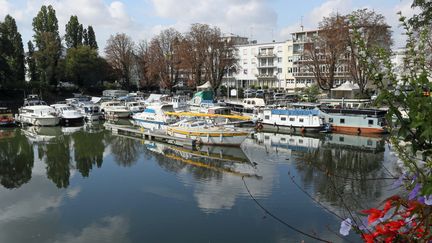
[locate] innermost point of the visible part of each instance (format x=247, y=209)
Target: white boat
x=90, y=111
x=68, y=115
x=115, y=109
x=135, y=106
x=38, y=115
x=204, y=132
x=290, y=120
x=154, y=117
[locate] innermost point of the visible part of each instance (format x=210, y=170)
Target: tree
x=327, y=52
x=91, y=38
x=12, y=54
x=120, y=55
x=31, y=63
x=375, y=33
x=164, y=59
x=193, y=50
x=219, y=57
x=142, y=66
x=48, y=43
x=74, y=33
x=83, y=66
x=85, y=38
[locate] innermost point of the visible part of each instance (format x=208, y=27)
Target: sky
x=261, y=20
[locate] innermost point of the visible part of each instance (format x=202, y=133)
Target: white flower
x=345, y=227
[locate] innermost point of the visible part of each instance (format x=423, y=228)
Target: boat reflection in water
x=349, y=167
x=37, y=134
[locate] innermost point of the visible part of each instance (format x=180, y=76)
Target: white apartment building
x=277, y=65
x=260, y=65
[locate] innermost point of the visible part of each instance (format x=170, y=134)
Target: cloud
x=109, y=229
x=242, y=17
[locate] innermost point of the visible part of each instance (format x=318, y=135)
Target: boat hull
x=39, y=121
x=358, y=130
x=117, y=114
x=149, y=125
x=211, y=138
x=281, y=128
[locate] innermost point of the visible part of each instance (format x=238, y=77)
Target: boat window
x=301, y=141
x=283, y=118
x=301, y=120
x=342, y=121
x=341, y=139
x=253, y=102
x=266, y=137
x=292, y=119
x=370, y=122
x=283, y=139
x=330, y=119
x=369, y=142
x=267, y=117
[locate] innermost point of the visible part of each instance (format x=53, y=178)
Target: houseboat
x=37, y=115
x=290, y=120
x=204, y=132
x=356, y=121
x=154, y=117
x=6, y=117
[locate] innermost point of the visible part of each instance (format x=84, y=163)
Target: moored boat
x=68, y=115
x=6, y=117
x=154, y=117
x=355, y=121
x=115, y=109
x=205, y=132
x=302, y=120
x=38, y=115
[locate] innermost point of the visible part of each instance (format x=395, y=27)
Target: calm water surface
x=86, y=185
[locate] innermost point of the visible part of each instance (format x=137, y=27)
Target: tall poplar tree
x=31, y=63
x=74, y=32
x=12, y=53
x=91, y=38
x=48, y=43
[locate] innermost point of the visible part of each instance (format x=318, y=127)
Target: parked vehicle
x=260, y=93
x=279, y=96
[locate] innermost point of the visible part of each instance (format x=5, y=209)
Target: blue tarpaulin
x=296, y=112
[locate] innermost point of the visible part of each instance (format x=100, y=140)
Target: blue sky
x=263, y=20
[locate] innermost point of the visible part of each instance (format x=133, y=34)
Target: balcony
x=270, y=65
x=266, y=54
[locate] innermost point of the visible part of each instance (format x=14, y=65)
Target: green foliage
x=48, y=43
x=31, y=63
x=12, y=70
x=74, y=32
x=312, y=93
x=83, y=66
x=91, y=41
x=223, y=90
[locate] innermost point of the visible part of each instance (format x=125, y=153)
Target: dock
x=150, y=135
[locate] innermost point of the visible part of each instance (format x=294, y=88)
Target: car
x=278, y=96
x=249, y=93
x=260, y=93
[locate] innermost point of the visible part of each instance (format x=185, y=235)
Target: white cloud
x=109, y=229
x=239, y=16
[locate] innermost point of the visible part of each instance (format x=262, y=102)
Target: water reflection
x=125, y=150
x=89, y=148
x=344, y=170
x=16, y=159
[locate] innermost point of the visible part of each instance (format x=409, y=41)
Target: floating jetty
x=150, y=135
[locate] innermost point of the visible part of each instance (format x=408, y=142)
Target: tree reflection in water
x=58, y=161
x=89, y=149
x=336, y=172
x=16, y=159
x=125, y=150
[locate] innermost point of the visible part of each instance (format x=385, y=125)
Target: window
x=266, y=137
x=370, y=122
x=279, y=70
x=301, y=120
x=342, y=121
x=292, y=119
x=341, y=139
x=301, y=141
x=244, y=51
x=369, y=142
x=283, y=118
x=266, y=117
x=279, y=59
x=283, y=139
x=245, y=71
x=279, y=49
x=289, y=70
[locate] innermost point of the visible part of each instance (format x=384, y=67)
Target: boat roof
x=295, y=112
x=369, y=112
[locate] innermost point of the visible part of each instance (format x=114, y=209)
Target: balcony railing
x=267, y=66
x=266, y=54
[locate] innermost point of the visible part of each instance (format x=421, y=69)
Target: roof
x=347, y=86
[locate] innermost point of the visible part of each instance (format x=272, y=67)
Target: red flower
x=374, y=214
x=369, y=238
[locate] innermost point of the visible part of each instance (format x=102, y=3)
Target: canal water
x=84, y=184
